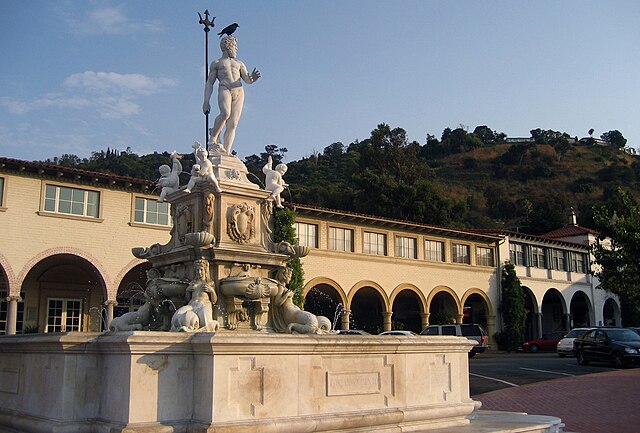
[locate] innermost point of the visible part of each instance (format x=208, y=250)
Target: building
x=66, y=262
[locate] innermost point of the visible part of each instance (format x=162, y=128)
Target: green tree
x=614, y=138
x=284, y=230
x=514, y=314
x=617, y=248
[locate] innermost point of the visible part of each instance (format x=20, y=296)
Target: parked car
x=565, y=346
x=471, y=331
x=619, y=346
x=402, y=333
x=636, y=330
x=547, y=342
x=352, y=332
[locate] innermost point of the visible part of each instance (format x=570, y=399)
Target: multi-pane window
x=484, y=256
x=406, y=247
x=340, y=239
x=1, y=191
x=558, y=260
x=579, y=263
x=307, y=235
x=375, y=243
x=72, y=201
x=460, y=253
x=149, y=211
x=516, y=254
x=64, y=315
x=538, y=257
x=434, y=251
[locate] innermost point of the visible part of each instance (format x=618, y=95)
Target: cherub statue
x=169, y=177
x=273, y=181
x=202, y=169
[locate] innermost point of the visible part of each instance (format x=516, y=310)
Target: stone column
x=386, y=320
x=424, y=320
x=566, y=321
x=344, y=319
x=459, y=318
x=491, y=329
x=12, y=314
x=538, y=326
x=110, y=304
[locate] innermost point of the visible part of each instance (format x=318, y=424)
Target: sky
x=79, y=76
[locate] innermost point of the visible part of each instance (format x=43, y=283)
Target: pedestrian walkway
x=593, y=403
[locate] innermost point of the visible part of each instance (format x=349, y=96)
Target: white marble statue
x=197, y=315
x=202, y=170
x=274, y=182
x=169, y=177
x=228, y=71
x=287, y=317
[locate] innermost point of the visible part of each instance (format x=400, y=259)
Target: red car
x=547, y=342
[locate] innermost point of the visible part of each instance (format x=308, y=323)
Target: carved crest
x=240, y=225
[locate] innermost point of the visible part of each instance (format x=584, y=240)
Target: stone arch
x=581, y=310
x=554, y=312
x=111, y=295
x=65, y=290
x=408, y=305
x=532, y=324
x=329, y=282
x=479, y=306
x=325, y=297
x=13, y=288
x=443, y=299
x=369, y=307
x=104, y=275
x=611, y=314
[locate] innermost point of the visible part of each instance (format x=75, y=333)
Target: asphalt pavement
x=605, y=402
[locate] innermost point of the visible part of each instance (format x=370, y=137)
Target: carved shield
x=240, y=223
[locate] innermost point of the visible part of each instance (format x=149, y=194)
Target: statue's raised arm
x=229, y=72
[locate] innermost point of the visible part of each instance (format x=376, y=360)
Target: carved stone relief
x=240, y=227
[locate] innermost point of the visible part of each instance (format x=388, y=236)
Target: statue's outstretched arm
x=249, y=78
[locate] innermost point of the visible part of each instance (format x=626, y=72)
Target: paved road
x=491, y=371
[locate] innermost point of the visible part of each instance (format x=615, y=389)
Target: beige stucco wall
x=29, y=235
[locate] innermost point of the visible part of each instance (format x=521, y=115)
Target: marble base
x=143, y=382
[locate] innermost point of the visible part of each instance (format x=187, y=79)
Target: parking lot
x=494, y=370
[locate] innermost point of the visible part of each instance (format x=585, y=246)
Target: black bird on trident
x=229, y=29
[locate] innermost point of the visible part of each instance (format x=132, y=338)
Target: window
x=307, y=235
x=558, y=261
x=340, y=239
x=538, y=257
x=64, y=315
x=484, y=256
x=406, y=247
x=375, y=243
x=579, y=263
x=72, y=201
x=149, y=211
x=1, y=191
x=516, y=254
x=460, y=253
x=434, y=251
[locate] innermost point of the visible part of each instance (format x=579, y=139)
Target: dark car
x=468, y=330
x=547, y=342
x=352, y=332
x=619, y=346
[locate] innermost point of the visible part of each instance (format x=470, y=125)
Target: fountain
x=218, y=345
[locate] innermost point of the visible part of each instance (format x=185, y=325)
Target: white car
x=565, y=346
x=397, y=332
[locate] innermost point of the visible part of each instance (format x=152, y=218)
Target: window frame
x=558, y=257
x=145, y=212
x=488, y=260
x=57, y=213
x=406, y=247
x=579, y=258
x=297, y=225
x=3, y=194
x=430, y=253
x=63, y=315
x=537, y=255
x=378, y=236
x=346, y=244
x=517, y=254
x=456, y=258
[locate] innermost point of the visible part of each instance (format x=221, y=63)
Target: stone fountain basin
x=249, y=287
